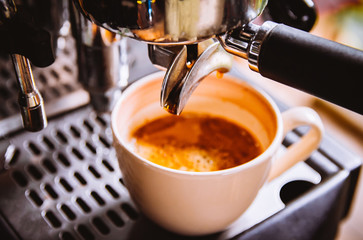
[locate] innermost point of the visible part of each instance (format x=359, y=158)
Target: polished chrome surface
x=246, y=42
x=102, y=61
x=163, y=56
x=171, y=21
x=183, y=77
x=238, y=41
x=30, y=101
x=56, y=83
x=255, y=48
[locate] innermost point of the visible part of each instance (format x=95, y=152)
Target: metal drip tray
x=65, y=183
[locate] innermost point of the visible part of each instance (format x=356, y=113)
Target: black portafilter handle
x=316, y=65
x=296, y=58
x=288, y=54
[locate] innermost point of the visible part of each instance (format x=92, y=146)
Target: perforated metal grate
x=67, y=182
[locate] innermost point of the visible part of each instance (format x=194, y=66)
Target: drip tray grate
x=64, y=183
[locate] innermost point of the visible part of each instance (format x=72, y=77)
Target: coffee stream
x=195, y=142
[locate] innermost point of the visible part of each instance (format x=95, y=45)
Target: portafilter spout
x=183, y=76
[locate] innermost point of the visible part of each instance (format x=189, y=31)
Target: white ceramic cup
x=197, y=203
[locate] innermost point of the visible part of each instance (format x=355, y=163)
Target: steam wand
x=15, y=32
x=30, y=101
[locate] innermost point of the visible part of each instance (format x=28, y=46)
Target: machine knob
x=300, y=14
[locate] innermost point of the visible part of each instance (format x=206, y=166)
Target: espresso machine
x=59, y=176
x=277, y=51
x=47, y=25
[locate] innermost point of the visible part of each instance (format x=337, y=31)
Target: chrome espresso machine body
x=63, y=182
x=277, y=51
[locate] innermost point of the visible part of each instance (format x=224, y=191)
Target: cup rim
x=276, y=142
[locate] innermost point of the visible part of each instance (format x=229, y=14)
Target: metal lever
x=30, y=101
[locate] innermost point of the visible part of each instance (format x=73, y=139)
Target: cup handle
x=302, y=149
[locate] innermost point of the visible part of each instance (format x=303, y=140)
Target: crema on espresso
x=194, y=142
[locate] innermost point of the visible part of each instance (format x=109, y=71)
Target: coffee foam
x=194, y=142
x=204, y=105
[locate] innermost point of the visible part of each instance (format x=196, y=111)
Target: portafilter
x=283, y=53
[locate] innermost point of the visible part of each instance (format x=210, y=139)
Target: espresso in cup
x=209, y=197
x=195, y=142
